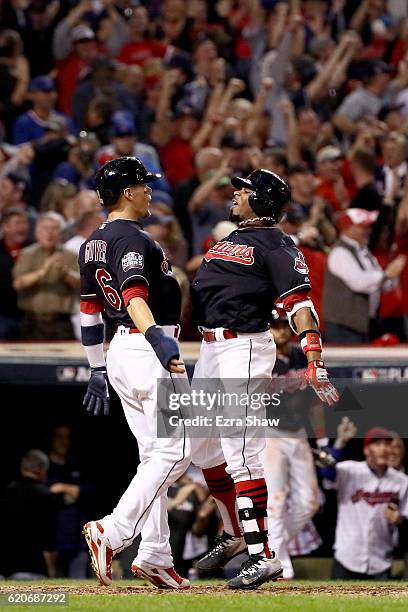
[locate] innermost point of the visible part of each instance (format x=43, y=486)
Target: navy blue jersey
x=119, y=254
x=243, y=275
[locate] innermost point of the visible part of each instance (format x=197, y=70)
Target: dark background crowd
x=314, y=90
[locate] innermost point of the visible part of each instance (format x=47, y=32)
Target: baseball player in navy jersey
x=125, y=275
x=233, y=293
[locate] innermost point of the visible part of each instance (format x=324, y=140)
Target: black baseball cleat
x=256, y=571
x=225, y=547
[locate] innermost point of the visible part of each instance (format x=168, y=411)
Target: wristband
x=166, y=348
x=94, y=334
x=310, y=340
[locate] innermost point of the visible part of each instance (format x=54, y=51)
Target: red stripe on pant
x=221, y=487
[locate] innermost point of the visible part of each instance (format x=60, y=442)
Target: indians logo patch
x=228, y=251
x=132, y=260
x=300, y=264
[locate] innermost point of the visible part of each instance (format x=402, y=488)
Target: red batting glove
x=316, y=376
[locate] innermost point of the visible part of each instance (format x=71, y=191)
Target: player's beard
x=234, y=217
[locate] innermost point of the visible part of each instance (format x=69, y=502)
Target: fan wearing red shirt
x=332, y=187
x=14, y=227
x=140, y=48
x=75, y=65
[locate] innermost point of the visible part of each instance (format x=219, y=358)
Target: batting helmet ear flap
x=261, y=205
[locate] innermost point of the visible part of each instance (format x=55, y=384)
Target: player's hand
x=392, y=514
x=97, y=394
x=316, y=376
x=346, y=430
x=176, y=366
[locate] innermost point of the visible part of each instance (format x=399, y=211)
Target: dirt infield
x=352, y=590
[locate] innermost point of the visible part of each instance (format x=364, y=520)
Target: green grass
x=302, y=596
x=247, y=603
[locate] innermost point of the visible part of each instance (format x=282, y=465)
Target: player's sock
x=221, y=487
x=251, y=499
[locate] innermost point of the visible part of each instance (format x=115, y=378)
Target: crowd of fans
x=314, y=90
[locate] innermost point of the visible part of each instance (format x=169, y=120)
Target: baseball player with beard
x=125, y=275
x=233, y=293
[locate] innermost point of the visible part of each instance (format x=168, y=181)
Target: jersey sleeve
x=403, y=503
x=288, y=270
x=88, y=283
x=130, y=260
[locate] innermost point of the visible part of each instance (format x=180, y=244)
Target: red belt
x=134, y=330
x=228, y=334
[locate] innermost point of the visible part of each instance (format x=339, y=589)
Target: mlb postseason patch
x=132, y=260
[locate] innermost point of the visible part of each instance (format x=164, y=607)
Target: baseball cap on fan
x=329, y=153
x=82, y=33
x=377, y=433
x=356, y=216
x=123, y=124
x=42, y=83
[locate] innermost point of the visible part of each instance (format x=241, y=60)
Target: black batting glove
x=97, y=393
x=166, y=348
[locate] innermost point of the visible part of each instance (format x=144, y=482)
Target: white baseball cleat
x=100, y=551
x=162, y=578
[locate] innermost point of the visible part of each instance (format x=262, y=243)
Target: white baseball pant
x=290, y=476
x=245, y=358
x=133, y=371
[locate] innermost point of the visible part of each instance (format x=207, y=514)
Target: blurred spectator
x=165, y=229
x=395, y=167
x=331, y=187
x=363, y=171
x=32, y=124
x=14, y=233
x=124, y=142
x=303, y=184
x=140, y=47
x=372, y=502
x=59, y=197
x=46, y=278
x=101, y=81
x=396, y=453
x=364, y=103
x=79, y=168
x=74, y=48
x=205, y=160
x=98, y=116
x=67, y=482
x=184, y=500
x=37, y=33
x=14, y=76
x=14, y=187
x=209, y=204
x=354, y=279
x=30, y=558
x=87, y=223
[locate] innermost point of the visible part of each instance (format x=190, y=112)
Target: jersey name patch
x=373, y=498
x=300, y=264
x=95, y=250
x=228, y=251
x=132, y=260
